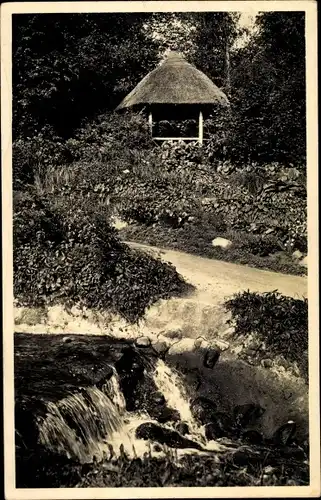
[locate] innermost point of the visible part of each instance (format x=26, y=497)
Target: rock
x=243, y=457
x=161, y=348
x=269, y=231
x=304, y=262
x=221, y=242
x=221, y=426
x=167, y=415
x=214, y=430
x=211, y=358
x=182, y=346
x=247, y=414
x=143, y=342
x=154, y=432
x=267, y=362
x=203, y=409
x=284, y=434
x=297, y=254
x=222, y=345
x=174, y=334
x=182, y=428
x=268, y=469
x=158, y=398
x=66, y=340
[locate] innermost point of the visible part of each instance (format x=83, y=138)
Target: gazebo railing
x=199, y=139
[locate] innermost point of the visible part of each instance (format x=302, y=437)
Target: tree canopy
x=67, y=68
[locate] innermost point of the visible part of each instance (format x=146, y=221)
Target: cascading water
x=93, y=422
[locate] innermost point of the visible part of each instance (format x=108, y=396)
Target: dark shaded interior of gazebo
x=179, y=121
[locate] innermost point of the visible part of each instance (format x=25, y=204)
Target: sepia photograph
x=159, y=169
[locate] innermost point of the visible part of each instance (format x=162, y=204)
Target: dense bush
x=74, y=257
x=280, y=322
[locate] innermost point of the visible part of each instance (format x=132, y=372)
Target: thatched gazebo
x=175, y=90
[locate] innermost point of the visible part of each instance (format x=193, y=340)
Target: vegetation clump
x=70, y=256
x=280, y=322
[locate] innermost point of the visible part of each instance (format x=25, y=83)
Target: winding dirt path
x=215, y=279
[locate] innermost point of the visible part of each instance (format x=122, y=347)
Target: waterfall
x=93, y=422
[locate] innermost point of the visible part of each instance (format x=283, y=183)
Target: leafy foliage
x=268, y=92
x=243, y=468
x=71, y=256
x=280, y=322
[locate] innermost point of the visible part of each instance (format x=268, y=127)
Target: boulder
x=211, y=358
x=143, y=342
x=203, y=409
x=247, y=414
x=221, y=426
x=161, y=348
x=158, y=398
x=267, y=362
x=166, y=414
x=154, y=432
x=297, y=254
x=222, y=243
x=284, y=435
x=304, y=261
x=182, y=428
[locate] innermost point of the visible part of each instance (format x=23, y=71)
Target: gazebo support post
x=150, y=122
x=200, y=128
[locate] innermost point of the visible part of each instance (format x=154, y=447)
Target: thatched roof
x=175, y=81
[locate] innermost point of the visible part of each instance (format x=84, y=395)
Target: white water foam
x=95, y=422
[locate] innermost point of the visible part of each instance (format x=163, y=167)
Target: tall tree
x=268, y=90
x=70, y=66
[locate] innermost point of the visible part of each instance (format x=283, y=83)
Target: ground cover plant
x=280, y=323
x=62, y=254
x=247, y=467
x=179, y=196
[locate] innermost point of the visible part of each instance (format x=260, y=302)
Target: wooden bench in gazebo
x=177, y=91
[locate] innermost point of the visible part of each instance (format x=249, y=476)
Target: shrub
x=280, y=322
x=33, y=155
x=71, y=256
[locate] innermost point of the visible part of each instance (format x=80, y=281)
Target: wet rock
x=211, y=358
x=158, y=398
x=203, y=409
x=247, y=414
x=182, y=428
x=221, y=426
x=284, y=434
x=143, y=342
x=130, y=368
x=154, y=432
x=252, y=437
x=167, y=415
